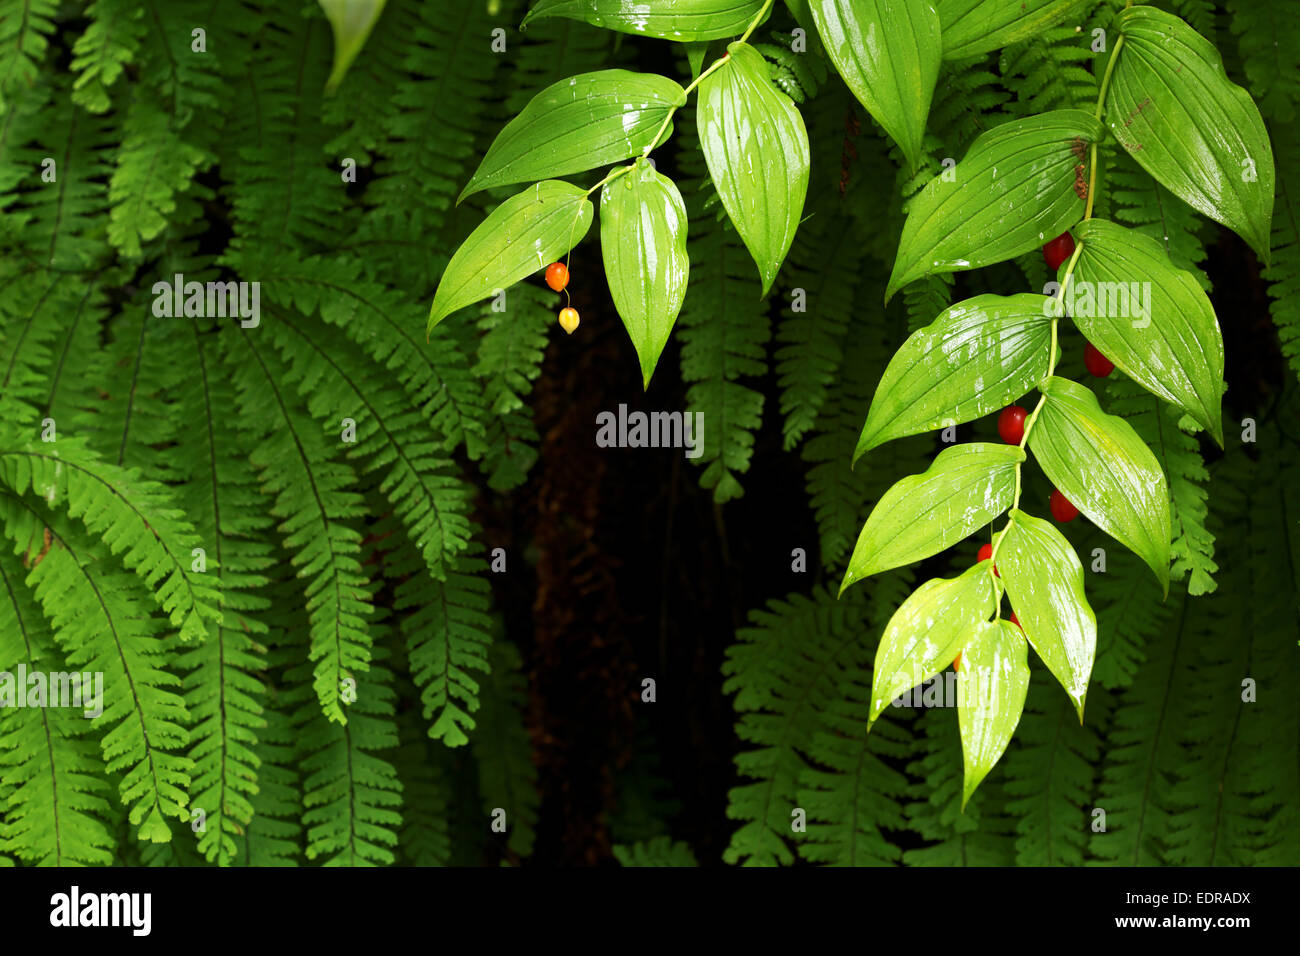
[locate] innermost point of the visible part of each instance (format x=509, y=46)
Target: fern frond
x=25, y=29
x=316, y=505
x=103, y=51
x=657, y=851
x=54, y=812
x=101, y=621
x=503, y=750
x=447, y=632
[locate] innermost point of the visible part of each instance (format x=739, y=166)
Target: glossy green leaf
x=1172, y=106
x=1149, y=318
x=1101, y=465
x=681, y=20
x=992, y=684
x=1013, y=191
x=351, y=21
x=927, y=631
x=578, y=124
x=977, y=356
x=525, y=233
x=756, y=147
x=974, y=27
x=888, y=53
x=965, y=488
x=643, y=241
x=1044, y=581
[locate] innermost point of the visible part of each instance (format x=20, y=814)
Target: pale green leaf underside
x=928, y=631
x=977, y=356
x=1172, y=106
x=973, y=27
x=579, y=124
x=1176, y=349
x=1010, y=194
x=643, y=242
x=1101, y=465
x=888, y=52
x=965, y=488
x=1044, y=581
x=991, y=688
x=522, y=235
x=681, y=20
x=756, y=147
x=351, y=21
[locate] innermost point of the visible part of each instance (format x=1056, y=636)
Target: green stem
x=1060, y=296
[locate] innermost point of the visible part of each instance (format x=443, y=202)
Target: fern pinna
x=271, y=316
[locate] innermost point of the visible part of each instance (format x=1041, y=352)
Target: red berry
x=1062, y=510
x=986, y=554
x=1097, y=363
x=1058, y=250
x=557, y=276
x=1011, y=424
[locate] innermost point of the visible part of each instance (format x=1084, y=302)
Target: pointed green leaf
x=681, y=20
x=351, y=21
x=991, y=687
x=927, y=631
x=1149, y=318
x=1044, y=581
x=965, y=488
x=1101, y=465
x=756, y=147
x=977, y=356
x=525, y=233
x=643, y=241
x=578, y=124
x=974, y=27
x=888, y=53
x=1172, y=106
x=1010, y=194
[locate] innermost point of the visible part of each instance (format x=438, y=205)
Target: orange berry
x=557, y=276
x=569, y=319
x=956, y=664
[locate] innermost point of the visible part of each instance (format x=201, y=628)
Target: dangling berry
x=986, y=554
x=1096, y=363
x=557, y=276
x=1062, y=510
x=1011, y=424
x=569, y=319
x=1058, y=250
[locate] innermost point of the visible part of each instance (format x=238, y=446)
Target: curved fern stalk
x=133, y=516
x=54, y=810
x=100, y=619
x=223, y=684
x=314, y=500
x=434, y=373
x=420, y=484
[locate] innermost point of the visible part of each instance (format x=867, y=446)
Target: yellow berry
x=569, y=319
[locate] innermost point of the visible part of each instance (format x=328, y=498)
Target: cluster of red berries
x=557, y=277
